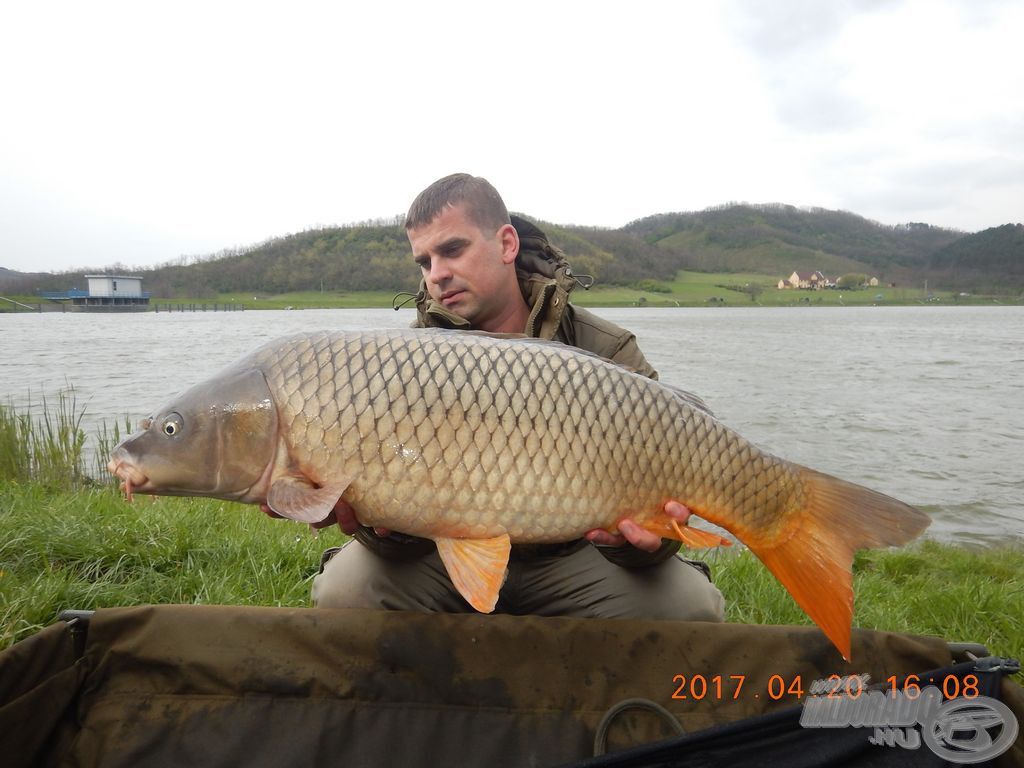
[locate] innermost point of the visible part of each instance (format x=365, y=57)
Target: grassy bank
x=689, y=289
x=68, y=540
x=89, y=548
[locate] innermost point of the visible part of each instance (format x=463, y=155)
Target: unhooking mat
x=228, y=686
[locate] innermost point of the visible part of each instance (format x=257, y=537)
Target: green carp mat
x=225, y=686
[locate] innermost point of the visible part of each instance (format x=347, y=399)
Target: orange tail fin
x=814, y=555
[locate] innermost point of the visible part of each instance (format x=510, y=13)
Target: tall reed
x=50, y=447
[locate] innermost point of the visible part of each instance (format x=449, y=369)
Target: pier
x=215, y=307
x=55, y=305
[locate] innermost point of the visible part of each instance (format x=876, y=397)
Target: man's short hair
x=484, y=205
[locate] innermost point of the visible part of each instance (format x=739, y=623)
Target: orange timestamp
x=732, y=687
x=909, y=687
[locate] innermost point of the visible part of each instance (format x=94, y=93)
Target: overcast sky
x=136, y=133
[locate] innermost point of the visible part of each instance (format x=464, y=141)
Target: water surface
x=923, y=403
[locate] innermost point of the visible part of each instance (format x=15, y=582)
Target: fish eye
x=172, y=425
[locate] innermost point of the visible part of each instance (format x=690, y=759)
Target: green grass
x=689, y=289
x=718, y=289
x=928, y=588
x=50, y=448
x=298, y=300
x=68, y=540
x=90, y=549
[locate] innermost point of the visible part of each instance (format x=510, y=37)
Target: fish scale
x=451, y=381
x=478, y=441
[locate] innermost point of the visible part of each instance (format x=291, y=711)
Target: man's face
x=466, y=270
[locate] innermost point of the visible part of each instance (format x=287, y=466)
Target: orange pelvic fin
x=695, y=538
x=477, y=567
x=813, y=554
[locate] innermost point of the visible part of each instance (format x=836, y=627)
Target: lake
x=923, y=403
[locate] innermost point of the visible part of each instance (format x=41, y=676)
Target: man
x=482, y=272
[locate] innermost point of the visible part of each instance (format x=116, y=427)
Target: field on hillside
x=717, y=289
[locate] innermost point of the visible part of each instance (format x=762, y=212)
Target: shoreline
x=279, y=305
x=87, y=548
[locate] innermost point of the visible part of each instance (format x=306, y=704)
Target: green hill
x=984, y=260
x=772, y=239
x=779, y=239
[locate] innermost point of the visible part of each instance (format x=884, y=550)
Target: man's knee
x=344, y=579
x=355, y=577
x=675, y=590
x=703, y=599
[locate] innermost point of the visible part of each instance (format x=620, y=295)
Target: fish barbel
x=478, y=441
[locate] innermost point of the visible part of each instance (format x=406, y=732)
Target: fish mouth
x=132, y=478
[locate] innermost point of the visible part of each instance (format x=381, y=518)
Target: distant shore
x=689, y=289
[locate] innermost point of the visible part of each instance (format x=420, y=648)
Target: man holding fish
x=483, y=272
x=505, y=455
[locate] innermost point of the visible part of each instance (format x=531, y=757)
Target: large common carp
x=476, y=441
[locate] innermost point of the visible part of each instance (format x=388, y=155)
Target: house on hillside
x=806, y=280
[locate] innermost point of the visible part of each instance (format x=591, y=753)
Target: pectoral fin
x=477, y=567
x=300, y=499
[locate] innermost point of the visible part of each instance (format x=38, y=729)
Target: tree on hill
x=991, y=258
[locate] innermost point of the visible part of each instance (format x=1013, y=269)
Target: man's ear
x=509, y=240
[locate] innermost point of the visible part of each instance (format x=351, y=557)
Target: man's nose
x=439, y=271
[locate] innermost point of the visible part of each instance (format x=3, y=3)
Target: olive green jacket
x=546, y=280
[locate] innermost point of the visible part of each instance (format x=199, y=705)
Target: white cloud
x=137, y=133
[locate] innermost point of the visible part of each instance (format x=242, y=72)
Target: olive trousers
x=580, y=583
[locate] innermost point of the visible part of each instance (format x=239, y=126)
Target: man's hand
x=325, y=523
x=342, y=514
x=631, y=533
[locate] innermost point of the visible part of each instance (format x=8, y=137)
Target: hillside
x=781, y=238
x=983, y=260
x=769, y=239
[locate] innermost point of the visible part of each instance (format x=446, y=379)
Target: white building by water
x=114, y=286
